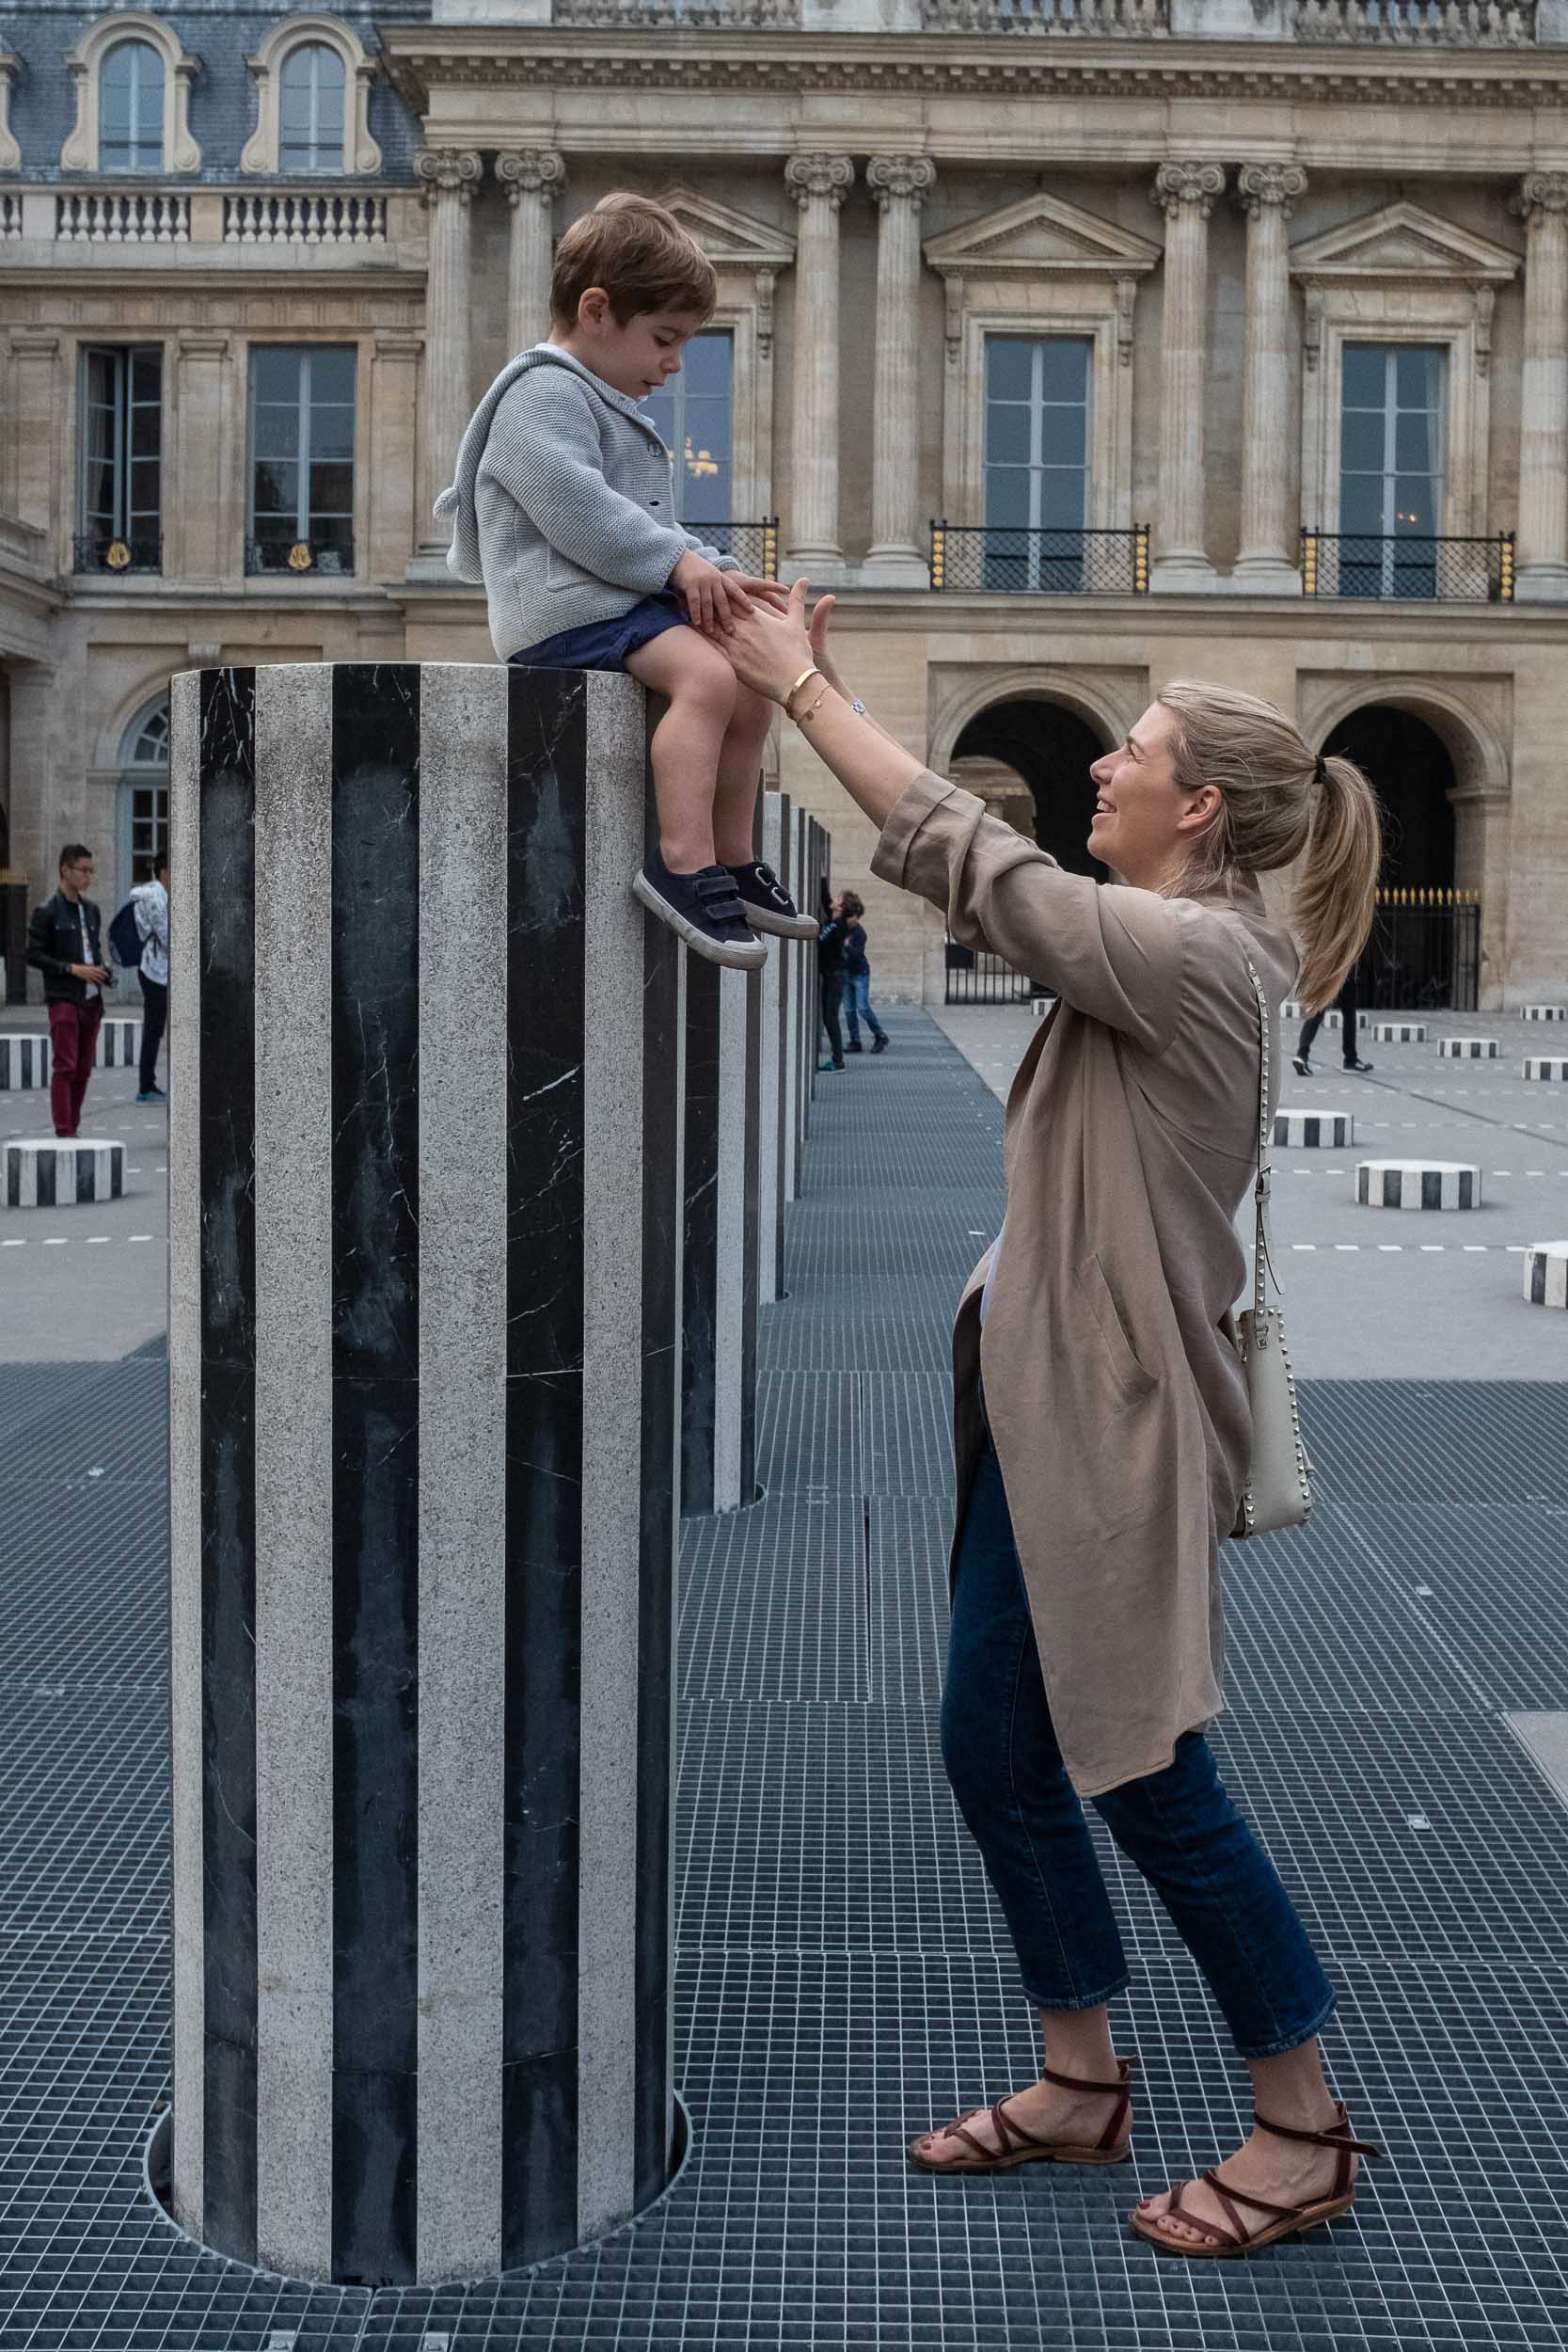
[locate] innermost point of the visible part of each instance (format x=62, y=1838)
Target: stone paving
x=843, y=1978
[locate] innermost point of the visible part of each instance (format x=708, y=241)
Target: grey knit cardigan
x=565, y=501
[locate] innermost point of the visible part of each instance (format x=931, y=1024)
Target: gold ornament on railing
x=117, y=556
x=300, y=557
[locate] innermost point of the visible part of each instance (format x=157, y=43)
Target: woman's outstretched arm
x=769, y=651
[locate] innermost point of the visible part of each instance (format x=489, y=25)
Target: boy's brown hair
x=641, y=257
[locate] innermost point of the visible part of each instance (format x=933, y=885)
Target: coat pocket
x=1095, y=1292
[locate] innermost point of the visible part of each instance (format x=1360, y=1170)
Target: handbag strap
x=1262, y=1260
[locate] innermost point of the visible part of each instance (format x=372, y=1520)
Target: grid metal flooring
x=844, y=1976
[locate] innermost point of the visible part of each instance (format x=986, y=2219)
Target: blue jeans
x=1180, y=1829
x=857, y=1006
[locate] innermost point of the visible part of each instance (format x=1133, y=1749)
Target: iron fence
x=333, y=555
x=1358, y=564
x=1424, y=952
x=106, y=551
x=754, y=546
x=997, y=560
x=976, y=976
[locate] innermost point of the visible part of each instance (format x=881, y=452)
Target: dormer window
x=130, y=108
x=311, y=88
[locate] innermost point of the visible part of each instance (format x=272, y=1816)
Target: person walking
x=857, y=979
x=830, y=975
x=65, y=943
x=1349, y=1006
x=151, y=900
x=1101, y=1406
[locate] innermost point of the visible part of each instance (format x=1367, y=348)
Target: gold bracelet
x=807, y=716
x=812, y=672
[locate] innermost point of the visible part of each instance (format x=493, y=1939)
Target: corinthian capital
x=906, y=177
x=1539, y=192
x=1257, y=184
x=808, y=175
x=448, y=171
x=1178, y=185
x=530, y=171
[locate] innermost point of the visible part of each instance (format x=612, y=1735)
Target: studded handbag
x=1278, y=1490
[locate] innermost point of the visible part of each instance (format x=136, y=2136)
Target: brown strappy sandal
x=1223, y=2243
x=1015, y=2146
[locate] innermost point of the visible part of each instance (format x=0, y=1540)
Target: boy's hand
x=766, y=592
x=706, y=592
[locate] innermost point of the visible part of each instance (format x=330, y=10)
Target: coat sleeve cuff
x=921, y=800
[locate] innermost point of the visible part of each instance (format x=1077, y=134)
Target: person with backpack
x=64, y=944
x=148, y=903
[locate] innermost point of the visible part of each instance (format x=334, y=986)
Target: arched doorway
x=143, y=811
x=1425, y=949
x=1051, y=747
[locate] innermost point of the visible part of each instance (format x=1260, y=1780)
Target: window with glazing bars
x=130, y=108
x=695, y=417
x=310, y=109
x=120, y=487
x=1036, y=460
x=1391, y=470
x=302, y=459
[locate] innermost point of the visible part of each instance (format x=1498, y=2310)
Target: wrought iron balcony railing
x=996, y=560
x=106, y=551
x=300, y=556
x=754, y=546
x=1416, y=570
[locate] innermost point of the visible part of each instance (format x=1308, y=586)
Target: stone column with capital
x=819, y=185
x=1267, y=192
x=899, y=184
x=448, y=177
x=533, y=177
x=1541, y=559
x=1185, y=193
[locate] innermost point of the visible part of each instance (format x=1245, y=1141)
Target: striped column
x=718, y=1345
x=45, y=1173
x=23, y=1061
x=1468, y=1049
x=1418, y=1184
x=772, y=1078
x=424, y=1321
x=1549, y=1066
x=119, y=1045
x=1546, y=1274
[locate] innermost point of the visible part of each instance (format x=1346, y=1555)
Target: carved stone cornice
x=1261, y=184
x=809, y=176
x=448, y=171
x=1178, y=186
x=536, y=172
x=905, y=179
x=1539, y=192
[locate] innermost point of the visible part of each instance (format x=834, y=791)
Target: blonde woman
x=1101, y=1456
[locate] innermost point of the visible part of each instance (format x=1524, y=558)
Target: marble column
x=1541, y=574
x=1265, y=566
x=1185, y=193
x=533, y=177
x=798, y=955
x=819, y=185
x=720, y=1165
x=901, y=185
x=423, y=1349
x=449, y=175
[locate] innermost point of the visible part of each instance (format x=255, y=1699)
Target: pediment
x=1403, y=241
x=726, y=235
x=1042, y=233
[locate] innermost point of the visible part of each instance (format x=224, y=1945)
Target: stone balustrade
x=295, y=216
x=122, y=217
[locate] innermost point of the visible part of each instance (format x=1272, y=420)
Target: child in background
x=565, y=508
x=857, y=977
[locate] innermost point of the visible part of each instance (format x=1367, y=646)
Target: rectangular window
x=120, y=468
x=1391, y=470
x=301, y=461
x=1037, y=461
x=695, y=417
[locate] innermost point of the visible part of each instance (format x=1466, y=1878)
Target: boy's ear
x=593, y=308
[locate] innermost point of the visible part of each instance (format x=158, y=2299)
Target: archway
x=1413, y=774
x=1051, y=749
x=143, y=810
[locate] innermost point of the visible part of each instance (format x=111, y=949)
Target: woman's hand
x=822, y=614
x=768, y=650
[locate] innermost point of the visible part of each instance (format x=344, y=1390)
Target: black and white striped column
x=119, y=1046
x=719, y=1152
x=424, y=1339
x=772, y=1090
x=46, y=1172
x=23, y=1061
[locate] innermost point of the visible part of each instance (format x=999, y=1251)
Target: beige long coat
x=1114, y=1392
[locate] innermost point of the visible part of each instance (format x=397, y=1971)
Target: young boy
x=565, y=510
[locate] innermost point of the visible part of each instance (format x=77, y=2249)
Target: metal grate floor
x=844, y=1976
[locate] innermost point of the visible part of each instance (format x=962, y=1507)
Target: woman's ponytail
x=1332, y=910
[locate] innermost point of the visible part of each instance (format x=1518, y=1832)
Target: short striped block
x=1546, y=1012
x=23, y=1061
x=1400, y=1032
x=1546, y=1274
x=119, y=1045
x=45, y=1173
x=1468, y=1048
x=1417, y=1185
x=1545, y=1066
x=1292, y=1009
x=1336, y=1020
x=1314, y=1131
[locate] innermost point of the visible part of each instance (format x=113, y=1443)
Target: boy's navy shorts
x=605, y=644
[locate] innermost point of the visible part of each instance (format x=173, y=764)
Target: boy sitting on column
x=565, y=507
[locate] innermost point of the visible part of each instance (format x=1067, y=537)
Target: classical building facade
x=1077, y=343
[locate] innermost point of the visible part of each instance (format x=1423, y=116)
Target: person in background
x=63, y=943
x=150, y=899
x=857, y=979
x=1350, y=1009
x=830, y=975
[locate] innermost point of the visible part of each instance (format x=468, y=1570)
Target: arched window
x=144, y=793
x=130, y=108
x=310, y=113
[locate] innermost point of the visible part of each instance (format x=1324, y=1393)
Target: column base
x=825, y=568
x=1182, y=575
x=895, y=568
x=427, y=566
x=1260, y=576
x=1541, y=584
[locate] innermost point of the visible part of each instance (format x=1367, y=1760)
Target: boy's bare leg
x=689, y=740
x=740, y=777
